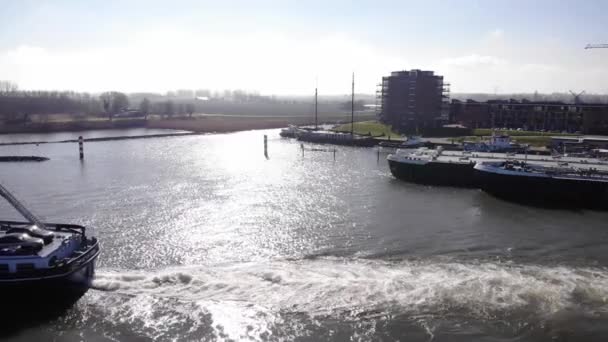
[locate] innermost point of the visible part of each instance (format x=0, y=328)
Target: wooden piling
x=81, y=147
x=266, y=146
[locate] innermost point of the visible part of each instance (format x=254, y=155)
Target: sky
x=289, y=47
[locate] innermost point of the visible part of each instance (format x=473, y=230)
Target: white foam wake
x=244, y=300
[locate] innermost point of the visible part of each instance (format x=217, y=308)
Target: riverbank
x=200, y=123
x=233, y=123
x=108, y=138
x=72, y=126
x=372, y=128
x=68, y=131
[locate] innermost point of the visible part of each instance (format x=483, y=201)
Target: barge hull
x=33, y=301
x=365, y=142
x=545, y=191
x=435, y=173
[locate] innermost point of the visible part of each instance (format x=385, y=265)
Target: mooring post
x=80, y=147
x=378, y=159
x=302, y=147
x=334, y=154
x=266, y=146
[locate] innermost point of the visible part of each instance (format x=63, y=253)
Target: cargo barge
x=545, y=185
x=44, y=267
x=426, y=166
x=456, y=168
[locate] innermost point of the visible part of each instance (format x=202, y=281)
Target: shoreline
x=70, y=126
x=212, y=124
x=200, y=123
x=118, y=137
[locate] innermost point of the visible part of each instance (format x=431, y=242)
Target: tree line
x=18, y=106
x=166, y=108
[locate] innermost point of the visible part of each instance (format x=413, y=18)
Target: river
x=203, y=238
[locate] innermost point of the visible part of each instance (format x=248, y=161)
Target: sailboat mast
x=352, y=108
x=316, y=109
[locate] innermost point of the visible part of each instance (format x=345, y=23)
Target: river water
x=203, y=238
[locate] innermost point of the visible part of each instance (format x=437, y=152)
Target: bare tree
x=114, y=102
x=8, y=87
x=120, y=102
x=169, y=108
x=190, y=109
x=106, y=101
x=144, y=107
x=19, y=106
x=180, y=109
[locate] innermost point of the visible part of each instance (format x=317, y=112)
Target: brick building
x=528, y=115
x=413, y=100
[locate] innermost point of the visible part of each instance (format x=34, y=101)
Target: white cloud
x=484, y=73
x=168, y=59
x=26, y=54
x=472, y=61
x=539, y=67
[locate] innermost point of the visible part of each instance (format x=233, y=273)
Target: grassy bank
x=374, y=128
x=532, y=138
x=237, y=123
x=536, y=141
x=72, y=126
x=199, y=123
x=488, y=131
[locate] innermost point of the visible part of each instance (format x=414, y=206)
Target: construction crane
x=596, y=46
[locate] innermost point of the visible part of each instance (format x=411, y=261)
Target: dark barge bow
x=72, y=274
x=44, y=263
x=425, y=167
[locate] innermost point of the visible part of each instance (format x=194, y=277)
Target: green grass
x=537, y=141
x=488, y=131
x=366, y=127
x=532, y=138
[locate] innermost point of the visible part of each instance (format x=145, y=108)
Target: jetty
x=111, y=138
x=22, y=159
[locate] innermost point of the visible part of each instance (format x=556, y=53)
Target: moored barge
x=545, y=185
x=456, y=168
x=426, y=166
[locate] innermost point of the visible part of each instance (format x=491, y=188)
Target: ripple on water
x=264, y=300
